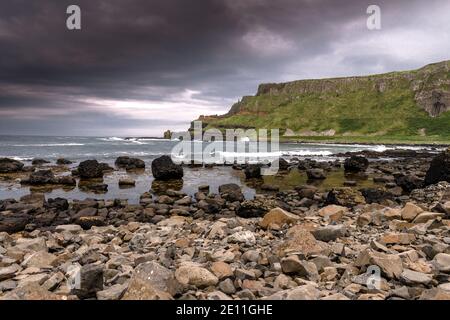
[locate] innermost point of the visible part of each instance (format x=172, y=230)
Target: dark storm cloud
x=141, y=66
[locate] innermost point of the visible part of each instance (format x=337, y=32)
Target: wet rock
x=66, y=180
x=356, y=164
x=278, y=217
x=90, y=169
x=253, y=171
x=41, y=177
x=62, y=161
x=10, y=165
x=127, y=182
x=409, y=183
x=129, y=163
x=163, y=168
x=346, y=197
x=39, y=162
x=231, y=192
x=439, y=169
x=316, y=174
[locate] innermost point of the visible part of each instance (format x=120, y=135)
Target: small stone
x=127, y=182
x=329, y=233
x=410, y=277
x=277, y=217
x=426, y=216
x=114, y=292
x=442, y=262
x=246, y=236
x=391, y=265
x=221, y=270
x=88, y=280
x=397, y=238
x=410, y=211
x=197, y=276
x=227, y=286
x=151, y=281
x=292, y=265
x=9, y=272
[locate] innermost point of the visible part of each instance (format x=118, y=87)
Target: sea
x=107, y=149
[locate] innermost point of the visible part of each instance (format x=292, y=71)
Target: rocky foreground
x=304, y=243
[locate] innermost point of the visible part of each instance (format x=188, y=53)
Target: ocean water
x=107, y=149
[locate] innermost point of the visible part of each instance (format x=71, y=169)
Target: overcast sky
x=139, y=67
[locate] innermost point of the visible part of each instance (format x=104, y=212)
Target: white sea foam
x=48, y=145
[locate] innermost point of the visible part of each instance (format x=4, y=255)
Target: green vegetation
x=393, y=107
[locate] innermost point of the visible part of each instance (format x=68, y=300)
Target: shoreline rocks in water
x=163, y=168
x=304, y=243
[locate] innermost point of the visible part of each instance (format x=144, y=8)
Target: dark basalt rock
x=10, y=165
x=163, y=168
x=356, y=164
x=39, y=161
x=41, y=177
x=376, y=195
x=346, y=197
x=62, y=161
x=231, y=192
x=253, y=171
x=90, y=169
x=439, y=169
x=130, y=163
x=409, y=182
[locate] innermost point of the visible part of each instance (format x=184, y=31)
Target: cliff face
x=397, y=103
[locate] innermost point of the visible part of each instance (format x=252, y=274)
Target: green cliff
x=410, y=106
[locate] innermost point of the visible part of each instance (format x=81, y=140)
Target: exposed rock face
x=439, y=169
x=130, y=163
x=163, y=168
x=423, y=89
x=10, y=165
x=356, y=164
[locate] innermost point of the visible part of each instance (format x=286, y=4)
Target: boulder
x=231, y=192
x=62, y=161
x=163, y=168
x=316, y=174
x=409, y=183
x=346, y=197
x=277, y=217
x=190, y=274
x=410, y=211
x=90, y=169
x=10, y=165
x=39, y=162
x=88, y=280
x=253, y=171
x=329, y=233
x=391, y=265
x=130, y=163
x=439, y=169
x=442, y=262
x=151, y=281
x=356, y=164
x=41, y=177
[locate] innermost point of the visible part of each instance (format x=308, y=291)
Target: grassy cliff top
x=409, y=106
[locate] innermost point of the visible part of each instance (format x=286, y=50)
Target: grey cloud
x=150, y=52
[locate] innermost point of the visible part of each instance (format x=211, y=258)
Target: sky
x=140, y=67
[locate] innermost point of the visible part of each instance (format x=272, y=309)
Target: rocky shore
x=303, y=243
